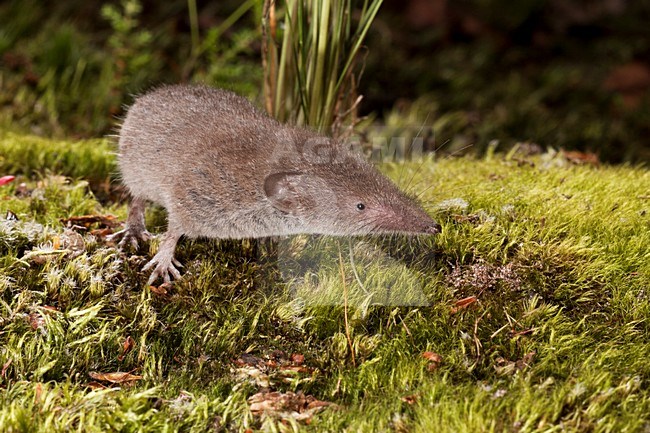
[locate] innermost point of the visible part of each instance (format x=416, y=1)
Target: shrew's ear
x=282, y=191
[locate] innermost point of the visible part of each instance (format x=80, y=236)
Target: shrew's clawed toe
x=164, y=261
x=165, y=268
x=130, y=238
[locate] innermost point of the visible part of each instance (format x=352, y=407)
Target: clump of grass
x=556, y=256
x=310, y=76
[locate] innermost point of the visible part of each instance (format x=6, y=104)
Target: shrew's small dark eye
x=361, y=206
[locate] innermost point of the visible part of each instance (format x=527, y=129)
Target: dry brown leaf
x=117, y=377
x=463, y=303
x=434, y=360
x=432, y=356
x=95, y=385
x=36, y=320
x=5, y=366
x=265, y=402
x=162, y=290
x=410, y=399
x=37, y=316
x=287, y=405
x=315, y=404
x=581, y=158
x=38, y=392
x=101, y=233
x=127, y=345
x=297, y=359
x=85, y=221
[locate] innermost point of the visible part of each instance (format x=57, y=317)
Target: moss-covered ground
x=530, y=312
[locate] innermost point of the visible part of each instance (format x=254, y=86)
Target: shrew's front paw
x=165, y=268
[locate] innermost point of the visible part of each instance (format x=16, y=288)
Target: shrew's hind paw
x=130, y=238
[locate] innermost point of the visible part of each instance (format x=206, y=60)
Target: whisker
x=369, y=223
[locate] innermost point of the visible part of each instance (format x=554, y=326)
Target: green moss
x=557, y=255
x=33, y=156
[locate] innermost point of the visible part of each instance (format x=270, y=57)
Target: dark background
x=547, y=73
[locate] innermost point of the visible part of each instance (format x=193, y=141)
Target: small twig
x=354, y=268
x=511, y=320
x=345, y=309
x=498, y=331
x=477, y=341
x=338, y=387
x=406, y=328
